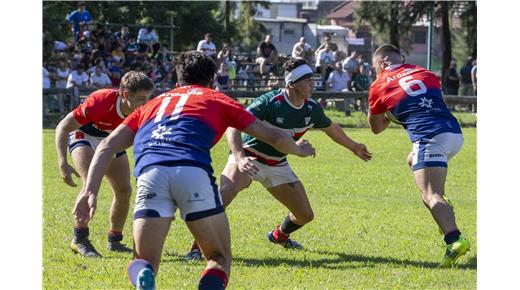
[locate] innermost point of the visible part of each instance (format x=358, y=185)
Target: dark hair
x=134, y=81
x=293, y=63
x=195, y=67
x=386, y=49
x=208, y=35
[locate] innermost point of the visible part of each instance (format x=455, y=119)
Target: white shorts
x=436, y=151
x=271, y=176
x=163, y=189
x=79, y=138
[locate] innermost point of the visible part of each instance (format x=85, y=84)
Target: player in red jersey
x=412, y=96
x=172, y=137
x=85, y=127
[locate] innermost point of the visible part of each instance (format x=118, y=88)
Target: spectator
x=338, y=82
x=224, y=54
x=351, y=63
x=302, y=50
x=62, y=73
x=367, y=68
x=465, y=78
x=328, y=40
x=46, y=78
x=99, y=79
x=222, y=77
x=117, y=54
x=451, y=79
x=266, y=53
x=361, y=81
x=207, y=46
x=146, y=38
x=115, y=74
x=324, y=62
x=83, y=32
x=474, y=77
x=77, y=78
x=274, y=82
x=123, y=35
x=164, y=55
x=78, y=16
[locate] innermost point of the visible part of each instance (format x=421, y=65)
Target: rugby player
x=84, y=128
x=172, y=137
x=293, y=110
x=412, y=96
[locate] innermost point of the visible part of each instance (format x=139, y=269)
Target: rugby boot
x=145, y=280
x=454, y=251
x=194, y=255
x=84, y=247
x=288, y=244
x=117, y=246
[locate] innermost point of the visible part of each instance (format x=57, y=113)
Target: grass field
x=371, y=230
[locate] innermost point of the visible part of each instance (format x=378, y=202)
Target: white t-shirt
x=207, y=47
x=100, y=81
x=338, y=82
x=62, y=76
x=295, y=54
x=325, y=57
x=79, y=79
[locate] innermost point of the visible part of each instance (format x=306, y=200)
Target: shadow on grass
x=338, y=262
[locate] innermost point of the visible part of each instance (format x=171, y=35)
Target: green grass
x=371, y=230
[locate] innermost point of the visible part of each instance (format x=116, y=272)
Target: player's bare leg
x=294, y=197
x=213, y=236
x=149, y=235
x=232, y=181
x=118, y=175
x=430, y=181
x=81, y=157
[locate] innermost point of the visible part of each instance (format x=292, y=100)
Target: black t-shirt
x=266, y=48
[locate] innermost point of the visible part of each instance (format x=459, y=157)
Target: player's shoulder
x=104, y=95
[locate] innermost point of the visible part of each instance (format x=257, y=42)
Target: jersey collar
x=118, y=106
x=289, y=102
x=393, y=66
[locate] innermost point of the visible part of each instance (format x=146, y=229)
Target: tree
x=468, y=18
x=250, y=31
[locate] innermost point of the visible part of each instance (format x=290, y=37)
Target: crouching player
x=411, y=95
x=172, y=136
x=84, y=128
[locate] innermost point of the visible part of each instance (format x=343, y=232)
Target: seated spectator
x=328, y=40
x=132, y=47
x=164, y=55
x=99, y=79
x=368, y=68
x=123, y=35
x=223, y=77
x=78, y=16
x=302, y=50
x=46, y=78
x=360, y=81
x=78, y=78
x=62, y=74
x=83, y=32
x=117, y=54
x=451, y=79
x=274, y=82
x=207, y=46
x=146, y=38
x=266, y=53
x=324, y=62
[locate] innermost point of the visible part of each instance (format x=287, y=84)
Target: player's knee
x=228, y=191
x=123, y=193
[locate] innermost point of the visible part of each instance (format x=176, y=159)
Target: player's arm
x=67, y=125
x=279, y=139
x=117, y=141
x=337, y=134
x=377, y=122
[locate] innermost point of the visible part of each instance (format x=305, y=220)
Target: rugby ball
x=391, y=117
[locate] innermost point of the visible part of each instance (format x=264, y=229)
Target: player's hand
x=246, y=165
x=306, y=148
x=85, y=206
x=362, y=152
x=66, y=174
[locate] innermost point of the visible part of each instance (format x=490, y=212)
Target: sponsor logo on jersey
x=161, y=131
x=307, y=120
x=432, y=155
x=426, y=103
x=195, y=197
x=279, y=120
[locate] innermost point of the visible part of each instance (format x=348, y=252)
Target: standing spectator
x=99, y=79
x=207, y=46
x=62, y=73
x=146, y=38
x=123, y=35
x=474, y=77
x=465, y=78
x=225, y=54
x=302, y=50
x=360, y=81
x=328, y=40
x=222, y=77
x=46, y=78
x=367, y=68
x=338, y=82
x=451, y=80
x=324, y=62
x=266, y=54
x=78, y=16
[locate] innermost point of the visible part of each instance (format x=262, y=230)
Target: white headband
x=298, y=73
